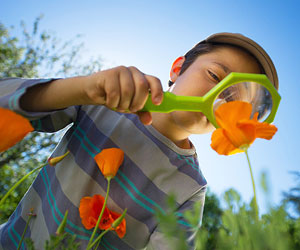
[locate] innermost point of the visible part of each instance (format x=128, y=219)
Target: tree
x=34, y=54
x=292, y=197
x=212, y=218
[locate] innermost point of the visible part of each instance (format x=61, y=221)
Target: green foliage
x=34, y=53
x=60, y=241
x=169, y=225
x=237, y=227
x=17, y=162
x=242, y=230
x=205, y=239
x=9, y=176
x=63, y=241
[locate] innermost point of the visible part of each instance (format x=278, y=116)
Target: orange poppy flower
x=89, y=210
x=13, y=128
x=121, y=228
x=109, y=160
x=237, y=131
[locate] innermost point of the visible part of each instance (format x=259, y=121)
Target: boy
x=159, y=157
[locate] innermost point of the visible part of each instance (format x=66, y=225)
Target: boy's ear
x=176, y=68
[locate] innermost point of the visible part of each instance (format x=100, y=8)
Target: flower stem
x=61, y=228
x=25, y=229
x=98, y=239
x=19, y=182
x=253, y=184
x=115, y=224
x=101, y=213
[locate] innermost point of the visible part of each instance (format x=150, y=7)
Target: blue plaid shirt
x=153, y=167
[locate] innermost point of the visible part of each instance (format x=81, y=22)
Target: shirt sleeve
x=11, y=91
x=159, y=242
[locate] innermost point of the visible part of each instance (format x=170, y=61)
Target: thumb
x=145, y=117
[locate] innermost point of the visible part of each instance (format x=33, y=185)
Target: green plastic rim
x=205, y=103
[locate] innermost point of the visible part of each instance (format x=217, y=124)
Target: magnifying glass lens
x=252, y=92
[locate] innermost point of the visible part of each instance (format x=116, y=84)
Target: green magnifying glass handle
x=264, y=99
x=172, y=102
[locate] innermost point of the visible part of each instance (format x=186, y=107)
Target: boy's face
x=202, y=75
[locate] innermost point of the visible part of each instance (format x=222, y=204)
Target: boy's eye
x=213, y=76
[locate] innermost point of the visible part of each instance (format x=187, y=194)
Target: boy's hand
x=123, y=89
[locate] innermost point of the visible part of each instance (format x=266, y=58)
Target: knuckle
x=111, y=73
x=155, y=83
x=122, y=68
x=141, y=82
x=156, y=78
x=133, y=68
x=112, y=95
x=158, y=84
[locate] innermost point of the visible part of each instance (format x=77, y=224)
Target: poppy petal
x=228, y=114
x=265, y=130
x=84, y=211
x=121, y=228
x=97, y=203
x=13, y=128
x=221, y=144
x=237, y=131
x=262, y=129
x=109, y=160
x=244, y=134
x=89, y=210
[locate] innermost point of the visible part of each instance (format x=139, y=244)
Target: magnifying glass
x=255, y=89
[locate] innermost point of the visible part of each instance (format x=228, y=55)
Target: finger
x=155, y=88
x=127, y=88
x=145, y=117
x=141, y=90
x=112, y=90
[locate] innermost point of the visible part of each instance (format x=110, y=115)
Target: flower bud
x=61, y=228
x=54, y=160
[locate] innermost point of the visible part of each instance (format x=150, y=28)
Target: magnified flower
x=237, y=131
x=89, y=210
x=109, y=160
x=13, y=128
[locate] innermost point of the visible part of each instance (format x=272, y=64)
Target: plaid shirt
x=153, y=167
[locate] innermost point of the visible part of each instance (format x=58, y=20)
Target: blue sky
x=152, y=34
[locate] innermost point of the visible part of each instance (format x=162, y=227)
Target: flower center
x=244, y=147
